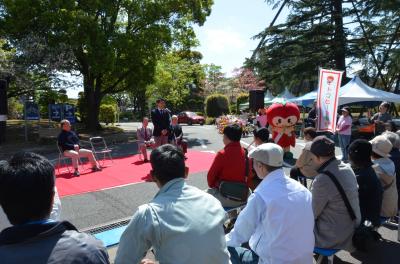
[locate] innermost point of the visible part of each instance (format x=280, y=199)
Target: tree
x=114, y=45
x=175, y=81
x=315, y=35
x=214, y=77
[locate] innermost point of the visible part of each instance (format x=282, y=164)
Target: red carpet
x=123, y=171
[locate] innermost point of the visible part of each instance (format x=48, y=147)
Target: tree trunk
x=339, y=39
x=93, y=99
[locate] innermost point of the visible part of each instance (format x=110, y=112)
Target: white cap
x=269, y=154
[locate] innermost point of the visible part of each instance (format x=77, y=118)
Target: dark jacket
x=395, y=157
x=370, y=194
x=161, y=120
x=57, y=242
x=67, y=140
x=176, y=132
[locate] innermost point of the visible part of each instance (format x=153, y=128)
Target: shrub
x=107, y=114
x=210, y=121
x=232, y=108
x=15, y=109
x=216, y=105
x=200, y=113
x=242, y=98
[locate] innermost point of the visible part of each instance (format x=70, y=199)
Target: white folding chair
x=99, y=147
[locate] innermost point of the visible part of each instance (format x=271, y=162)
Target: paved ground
x=98, y=208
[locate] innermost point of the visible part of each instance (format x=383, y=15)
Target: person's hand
x=147, y=261
x=76, y=147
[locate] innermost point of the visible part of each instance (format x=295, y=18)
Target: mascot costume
x=282, y=117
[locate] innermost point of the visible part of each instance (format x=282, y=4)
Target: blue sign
x=69, y=113
x=55, y=112
x=31, y=111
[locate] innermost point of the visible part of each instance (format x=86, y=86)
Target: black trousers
x=296, y=174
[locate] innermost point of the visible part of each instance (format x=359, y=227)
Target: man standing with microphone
x=161, y=118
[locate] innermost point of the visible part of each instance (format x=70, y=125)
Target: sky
x=226, y=36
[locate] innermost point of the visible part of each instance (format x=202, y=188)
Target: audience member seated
x=176, y=136
x=229, y=165
x=369, y=187
x=386, y=171
x=278, y=219
x=26, y=195
x=182, y=223
x=391, y=127
x=144, y=137
x=305, y=166
x=394, y=138
x=261, y=136
x=69, y=144
x=333, y=226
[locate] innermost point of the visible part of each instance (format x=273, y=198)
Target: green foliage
x=115, y=45
x=216, y=105
x=240, y=99
x=107, y=114
x=210, y=120
x=200, y=113
x=82, y=107
x=174, y=79
x=50, y=96
x=126, y=116
x=15, y=109
x=232, y=108
x=214, y=77
x=317, y=34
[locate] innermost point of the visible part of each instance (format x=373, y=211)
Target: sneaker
x=76, y=173
x=146, y=160
x=96, y=169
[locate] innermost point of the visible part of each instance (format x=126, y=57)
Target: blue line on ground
x=111, y=237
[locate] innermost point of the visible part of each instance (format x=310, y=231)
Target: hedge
x=216, y=105
x=107, y=114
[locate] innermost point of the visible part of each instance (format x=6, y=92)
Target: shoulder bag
x=237, y=191
x=364, y=237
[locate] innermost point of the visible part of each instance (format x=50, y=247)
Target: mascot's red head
x=283, y=115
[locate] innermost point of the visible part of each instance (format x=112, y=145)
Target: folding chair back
x=100, y=148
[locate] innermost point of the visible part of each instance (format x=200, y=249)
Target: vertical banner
x=55, y=112
x=327, y=99
x=31, y=111
x=69, y=113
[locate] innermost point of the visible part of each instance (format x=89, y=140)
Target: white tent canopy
x=284, y=96
x=357, y=91
x=353, y=92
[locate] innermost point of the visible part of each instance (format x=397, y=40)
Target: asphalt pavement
x=111, y=205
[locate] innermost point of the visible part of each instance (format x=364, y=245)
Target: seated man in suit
x=69, y=144
x=144, y=137
x=176, y=137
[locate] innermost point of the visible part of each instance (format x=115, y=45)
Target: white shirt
x=277, y=221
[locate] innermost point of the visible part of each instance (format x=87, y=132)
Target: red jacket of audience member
x=229, y=165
